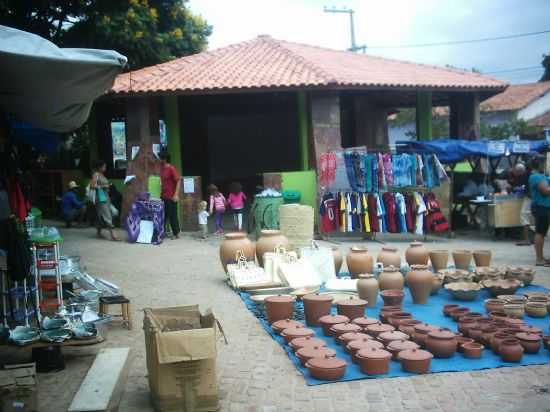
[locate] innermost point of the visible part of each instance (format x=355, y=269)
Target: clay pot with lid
x=352, y=307
x=510, y=350
x=378, y=328
x=293, y=333
x=387, y=337
x=415, y=360
x=341, y=328
x=442, y=343
x=395, y=318
x=472, y=350
x=328, y=321
x=407, y=326
x=373, y=361
x=487, y=335
x=475, y=332
x=531, y=342
x=327, y=368
x=389, y=256
x=347, y=337
x=465, y=323
x=356, y=345
x=391, y=278
x=338, y=259
x=497, y=338
x=386, y=311
x=300, y=343
x=439, y=259
x=396, y=346
x=530, y=329
x=367, y=288
x=417, y=254
x=234, y=242
x=421, y=333
x=310, y=352
x=460, y=341
x=279, y=307
x=268, y=241
x=316, y=306
x=392, y=297
x=364, y=322
x=447, y=309
x=359, y=261
x=494, y=305
x=283, y=324
x=457, y=313
x=482, y=257
x=420, y=282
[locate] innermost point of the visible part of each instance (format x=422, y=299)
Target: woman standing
x=101, y=185
x=540, y=200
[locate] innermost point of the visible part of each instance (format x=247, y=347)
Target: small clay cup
x=472, y=350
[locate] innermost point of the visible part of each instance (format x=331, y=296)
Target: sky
x=381, y=23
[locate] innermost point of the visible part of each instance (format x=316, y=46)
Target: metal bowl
x=23, y=335
x=53, y=323
x=84, y=331
x=55, y=335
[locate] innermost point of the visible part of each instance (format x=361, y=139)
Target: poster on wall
x=188, y=185
x=118, y=135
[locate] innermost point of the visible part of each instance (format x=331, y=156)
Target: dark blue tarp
x=454, y=150
x=43, y=140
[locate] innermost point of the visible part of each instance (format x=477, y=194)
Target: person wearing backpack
x=217, y=207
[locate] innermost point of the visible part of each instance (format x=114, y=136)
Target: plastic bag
x=322, y=260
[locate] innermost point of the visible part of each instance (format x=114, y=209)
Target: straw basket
x=297, y=224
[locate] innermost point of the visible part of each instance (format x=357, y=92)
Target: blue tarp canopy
x=43, y=140
x=455, y=150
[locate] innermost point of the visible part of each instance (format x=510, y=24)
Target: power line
x=519, y=69
x=452, y=43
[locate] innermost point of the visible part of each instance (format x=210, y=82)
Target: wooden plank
x=99, y=385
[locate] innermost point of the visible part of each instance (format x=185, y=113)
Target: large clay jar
x=439, y=259
x=442, y=343
x=359, y=261
x=233, y=243
x=279, y=307
x=510, y=350
x=389, y=256
x=391, y=278
x=462, y=259
x=367, y=287
x=316, y=306
x=338, y=259
x=420, y=282
x=417, y=254
x=268, y=241
x=482, y=257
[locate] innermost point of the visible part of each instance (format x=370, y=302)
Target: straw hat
x=73, y=185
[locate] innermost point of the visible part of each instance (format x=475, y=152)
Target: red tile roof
x=540, y=121
x=516, y=97
x=267, y=63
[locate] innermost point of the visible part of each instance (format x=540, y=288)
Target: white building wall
x=536, y=108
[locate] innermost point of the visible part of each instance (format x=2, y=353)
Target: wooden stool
x=126, y=310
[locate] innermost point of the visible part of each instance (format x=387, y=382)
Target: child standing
x=217, y=206
x=203, y=219
x=236, y=201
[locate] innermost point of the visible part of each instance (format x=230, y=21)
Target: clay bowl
x=502, y=286
x=392, y=297
x=461, y=340
x=407, y=326
x=498, y=315
x=494, y=305
x=447, y=309
x=397, y=346
x=310, y=352
x=328, y=321
x=536, y=309
x=514, y=310
x=395, y=318
x=283, y=324
x=356, y=345
x=300, y=343
x=463, y=290
x=327, y=368
x=459, y=312
x=536, y=294
x=293, y=333
x=472, y=350
x=415, y=360
x=512, y=298
x=373, y=361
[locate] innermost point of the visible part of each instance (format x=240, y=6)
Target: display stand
x=48, y=277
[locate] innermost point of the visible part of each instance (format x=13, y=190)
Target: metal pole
x=352, y=31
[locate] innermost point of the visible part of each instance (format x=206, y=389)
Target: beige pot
x=338, y=259
x=482, y=257
x=359, y=261
x=391, y=278
x=420, y=282
x=439, y=259
x=417, y=254
x=462, y=259
x=232, y=243
x=367, y=287
x=268, y=241
x=389, y=256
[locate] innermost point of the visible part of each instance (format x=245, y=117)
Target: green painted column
x=171, y=117
x=303, y=129
x=424, y=115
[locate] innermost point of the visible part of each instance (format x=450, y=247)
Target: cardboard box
x=180, y=345
x=18, y=391
x=505, y=213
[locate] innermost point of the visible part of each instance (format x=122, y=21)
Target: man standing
x=170, y=181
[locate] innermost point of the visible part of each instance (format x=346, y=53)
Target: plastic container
x=292, y=196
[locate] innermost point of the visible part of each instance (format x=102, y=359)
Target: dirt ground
x=254, y=372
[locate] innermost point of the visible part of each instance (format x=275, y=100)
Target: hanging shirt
x=342, y=210
x=365, y=209
x=389, y=205
x=329, y=217
x=401, y=211
x=349, y=218
x=373, y=213
x=419, y=168
x=420, y=211
x=388, y=171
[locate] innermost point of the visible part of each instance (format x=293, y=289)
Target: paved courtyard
x=254, y=373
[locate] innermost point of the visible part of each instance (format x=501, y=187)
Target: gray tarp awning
x=50, y=87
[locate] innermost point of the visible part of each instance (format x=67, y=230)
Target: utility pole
x=352, y=26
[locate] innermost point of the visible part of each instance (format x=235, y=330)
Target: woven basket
x=297, y=224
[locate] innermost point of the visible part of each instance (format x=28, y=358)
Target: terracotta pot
x=421, y=333
x=395, y=318
x=356, y=345
x=437, y=283
x=407, y=326
x=415, y=360
x=386, y=311
x=389, y=256
x=464, y=325
x=374, y=361
x=338, y=259
x=359, y=261
x=462, y=259
x=299, y=343
x=293, y=333
x=283, y=324
x=391, y=278
x=417, y=254
x=482, y=257
x=536, y=309
x=487, y=335
x=268, y=241
x=439, y=259
x=352, y=307
x=419, y=281
x=472, y=350
x=531, y=342
x=392, y=297
x=279, y=307
x=514, y=310
x=316, y=306
x=530, y=329
x=498, y=315
x=497, y=338
x=397, y=346
x=494, y=305
x=459, y=312
x=511, y=350
x=367, y=288
x=232, y=243
x=342, y=328
x=348, y=337
x=447, y=309
x=472, y=315
x=310, y=352
x=461, y=340
x=327, y=368
x=475, y=332
x=377, y=329
x=328, y=321
x=387, y=337
x=364, y=322
x=441, y=343
x=546, y=341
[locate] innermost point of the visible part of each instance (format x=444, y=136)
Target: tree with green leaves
x=146, y=31
x=546, y=65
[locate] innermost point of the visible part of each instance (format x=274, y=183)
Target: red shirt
x=329, y=219
x=169, y=178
